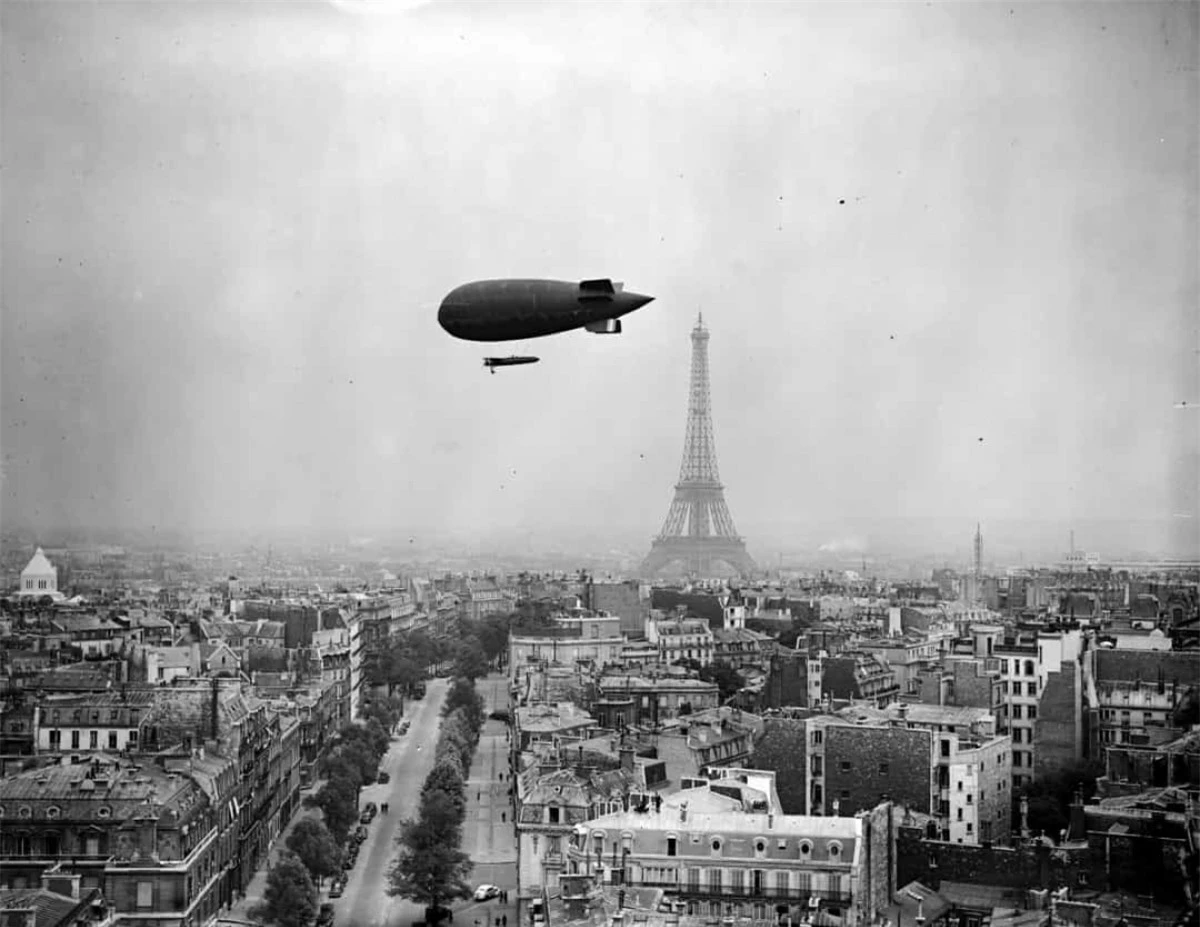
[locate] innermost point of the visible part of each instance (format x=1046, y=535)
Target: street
x=488, y=831
x=365, y=902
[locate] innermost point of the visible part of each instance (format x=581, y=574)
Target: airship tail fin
x=596, y=287
x=619, y=286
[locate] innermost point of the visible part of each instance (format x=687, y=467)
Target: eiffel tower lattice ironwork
x=698, y=530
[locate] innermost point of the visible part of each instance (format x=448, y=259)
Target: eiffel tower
x=698, y=530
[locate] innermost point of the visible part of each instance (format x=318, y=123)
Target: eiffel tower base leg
x=698, y=556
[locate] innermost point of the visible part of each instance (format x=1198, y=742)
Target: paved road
x=366, y=902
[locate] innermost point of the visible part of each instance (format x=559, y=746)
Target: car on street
x=368, y=813
x=384, y=778
x=325, y=917
x=336, y=889
x=486, y=892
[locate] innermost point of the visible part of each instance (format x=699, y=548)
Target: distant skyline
x=946, y=253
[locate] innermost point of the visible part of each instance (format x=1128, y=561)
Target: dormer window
x=805, y=849
x=716, y=846
x=760, y=847
x=553, y=813
x=835, y=850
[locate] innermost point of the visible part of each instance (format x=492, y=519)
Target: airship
x=511, y=310
x=511, y=361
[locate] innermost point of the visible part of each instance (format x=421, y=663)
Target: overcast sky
x=947, y=254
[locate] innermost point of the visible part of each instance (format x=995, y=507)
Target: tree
x=729, y=681
x=365, y=760
x=377, y=736
x=339, y=768
x=1050, y=797
x=339, y=804
x=493, y=636
x=402, y=671
x=290, y=899
x=462, y=695
x=446, y=778
x=314, y=845
x=430, y=868
x=469, y=661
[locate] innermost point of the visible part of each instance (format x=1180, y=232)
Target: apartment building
x=719, y=860
x=681, y=639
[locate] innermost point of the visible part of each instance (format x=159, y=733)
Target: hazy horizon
x=946, y=253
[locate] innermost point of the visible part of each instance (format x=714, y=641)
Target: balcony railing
x=746, y=892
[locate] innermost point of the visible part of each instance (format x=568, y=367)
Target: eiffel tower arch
x=698, y=531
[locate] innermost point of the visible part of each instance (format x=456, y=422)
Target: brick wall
x=1058, y=729
x=863, y=764
x=971, y=690
x=190, y=710
x=787, y=683
x=782, y=748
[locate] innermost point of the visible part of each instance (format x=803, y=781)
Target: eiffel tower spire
x=698, y=529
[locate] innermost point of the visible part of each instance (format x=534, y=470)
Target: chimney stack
x=683, y=812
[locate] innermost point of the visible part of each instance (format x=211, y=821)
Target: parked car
x=360, y=833
x=325, y=916
x=368, y=813
x=486, y=892
x=336, y=889
x=384, y=778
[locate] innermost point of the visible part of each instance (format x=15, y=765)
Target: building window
x=883, y=769
x=716, y=846
x=760, y=847
x=945, y=748
x=145, y=894
x=93, y=739
x=835, y=850
x=55, y=740
x=74, y=740
x=805, y=849
x=672, y=846
x=845, y=766
x=112, y=740
x=818, y=736
x=553, y=812
x=1031, y=711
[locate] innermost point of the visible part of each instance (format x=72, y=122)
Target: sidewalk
x=240, y=909
x=489, y=834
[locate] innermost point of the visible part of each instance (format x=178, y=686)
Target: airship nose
x=446, y=316
x=635, y=300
